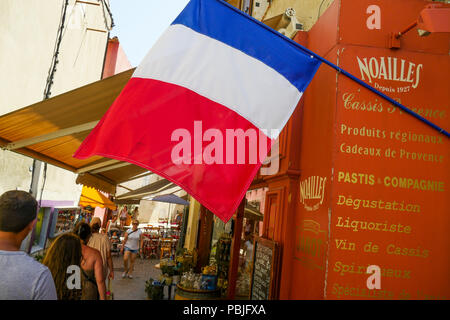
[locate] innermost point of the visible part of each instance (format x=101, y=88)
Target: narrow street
x=254, y=151
x=134, y=289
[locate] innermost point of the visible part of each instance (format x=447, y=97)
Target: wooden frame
x=235, y=249
x=273, y=196
x=274, y=247
x=250, y=6
x=50, y=136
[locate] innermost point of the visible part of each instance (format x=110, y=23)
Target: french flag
x=213, y=79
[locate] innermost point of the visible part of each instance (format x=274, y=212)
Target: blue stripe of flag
x=218, y=20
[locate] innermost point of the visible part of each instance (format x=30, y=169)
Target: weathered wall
x=15, y=171
x=28, y=32
x=307, y=11
x=116, y=60
x=373, y=185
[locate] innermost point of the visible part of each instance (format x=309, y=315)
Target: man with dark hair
x=21, y=277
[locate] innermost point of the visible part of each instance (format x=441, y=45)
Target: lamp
x=432, y=19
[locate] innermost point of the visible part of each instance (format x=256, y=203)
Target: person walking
x=93, y=283
x=21, y=277
x=132, y=245
x=123, y=216
x=135, y=214
x=112, y=224
x=248, y=249
x=101, y=242
x=64, y=252
x=179, y=218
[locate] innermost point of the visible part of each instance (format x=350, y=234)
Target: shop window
x=245, y=260
x=246, y=6
x=221, y=250
x=220, y=229
x=38, y=228
x=65, y=219
x=41, y=229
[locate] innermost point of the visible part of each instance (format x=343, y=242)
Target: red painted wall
x=346, y=168
x=116, y=60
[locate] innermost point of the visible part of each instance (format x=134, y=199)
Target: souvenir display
x=66, y=218
x=223, y=251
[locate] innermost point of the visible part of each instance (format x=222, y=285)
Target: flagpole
x=342, y=71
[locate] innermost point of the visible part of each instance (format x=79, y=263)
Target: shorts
x=132, y=251
x=123, y=218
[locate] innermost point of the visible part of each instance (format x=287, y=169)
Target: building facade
x=47, y=48
x=352, y=190
x=360, y=182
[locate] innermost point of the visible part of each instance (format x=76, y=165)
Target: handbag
x=109, y=292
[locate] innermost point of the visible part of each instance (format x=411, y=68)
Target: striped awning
x=94, y=198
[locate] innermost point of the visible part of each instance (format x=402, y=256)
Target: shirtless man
x=91, y=265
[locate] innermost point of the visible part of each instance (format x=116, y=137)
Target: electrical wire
x=320, y=7
x=55, y=60
x=43, y=183
x=105, y=5
x=49, y=83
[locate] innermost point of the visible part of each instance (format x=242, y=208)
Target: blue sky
x=139, y=23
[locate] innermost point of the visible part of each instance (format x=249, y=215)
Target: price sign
x=264, y=275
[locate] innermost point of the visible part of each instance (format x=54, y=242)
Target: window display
x=223, y=257
x=219, y=257
x=245, y=266
x=66, y=218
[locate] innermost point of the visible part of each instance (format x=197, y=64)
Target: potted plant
x=154, y=290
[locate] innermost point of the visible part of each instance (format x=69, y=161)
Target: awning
x=170, y=198
x=252, y=213
x=92, y=197
x=52, y=130
x=127, y=201
x=152, y=188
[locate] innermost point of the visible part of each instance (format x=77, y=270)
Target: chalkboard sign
x=264, y=274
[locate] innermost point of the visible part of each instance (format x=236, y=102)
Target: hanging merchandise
x=66, y=218
x=223, y=252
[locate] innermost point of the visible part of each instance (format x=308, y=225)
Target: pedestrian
x=112, y=224
x=93, y=283
x=132, y=245
x=248, y=249
x=135, y=214
x=101, y=242
x=123, y=216
x=64, y=252
x=21, y=277
x=248, y=227
x=178, y=218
